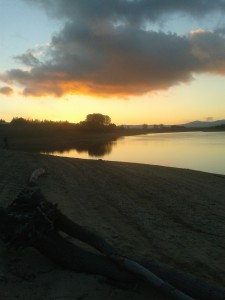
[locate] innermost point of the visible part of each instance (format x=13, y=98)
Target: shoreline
x=170, y=215
x=103, y=146
x=49, y=136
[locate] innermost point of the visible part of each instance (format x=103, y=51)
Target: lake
x=204, y=151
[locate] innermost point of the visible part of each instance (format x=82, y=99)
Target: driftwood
x=134, y=270
x=191, y=285
x=33, y=180
x=170, y=281
x=33, y=221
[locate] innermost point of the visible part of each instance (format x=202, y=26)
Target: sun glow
x=169, y=72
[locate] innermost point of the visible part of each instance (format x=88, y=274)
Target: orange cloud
x=110, y=54
x=6, y=90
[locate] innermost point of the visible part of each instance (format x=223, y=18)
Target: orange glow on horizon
x=67, y=88
x=181, y=104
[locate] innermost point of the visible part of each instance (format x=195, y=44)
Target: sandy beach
x=168, y=215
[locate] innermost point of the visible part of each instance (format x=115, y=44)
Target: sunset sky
x=138, y=61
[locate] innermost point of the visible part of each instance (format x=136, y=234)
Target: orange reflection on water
x=204, y=151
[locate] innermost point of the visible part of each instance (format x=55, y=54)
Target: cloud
x=131, y=11
x=6, y=91
x=209, y=49
x=103, y=49
x=28, y=59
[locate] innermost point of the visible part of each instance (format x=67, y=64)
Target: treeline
x=39, y=129
x=93, y=122
x=21, y=121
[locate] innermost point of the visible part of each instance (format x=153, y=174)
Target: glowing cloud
x=93, y=56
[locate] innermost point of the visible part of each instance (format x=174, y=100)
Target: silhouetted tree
x=98, y=119
x=97, y=122
x=19, y=121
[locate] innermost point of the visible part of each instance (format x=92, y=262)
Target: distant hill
x=194, y=124
x=204, y=123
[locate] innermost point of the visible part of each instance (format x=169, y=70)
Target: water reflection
x=98, y=150
x=204, y=151
x=93, y=150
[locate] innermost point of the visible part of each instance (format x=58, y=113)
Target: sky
x=138, y=61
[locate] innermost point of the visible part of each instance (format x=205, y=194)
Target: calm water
x=204, y=151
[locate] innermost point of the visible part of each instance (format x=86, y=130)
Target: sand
x=174, y=216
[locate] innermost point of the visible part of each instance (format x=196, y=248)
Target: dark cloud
x=127, y=10
x=6, y=90
x=209, y=48
x=28, y=59
x=104, y=50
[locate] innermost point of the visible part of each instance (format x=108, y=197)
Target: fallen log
x=33, y=221
x=197, y=288
x=131, y=269
x=155, y=281
x=192, y=285
x=169, y=279
x=33, y=180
